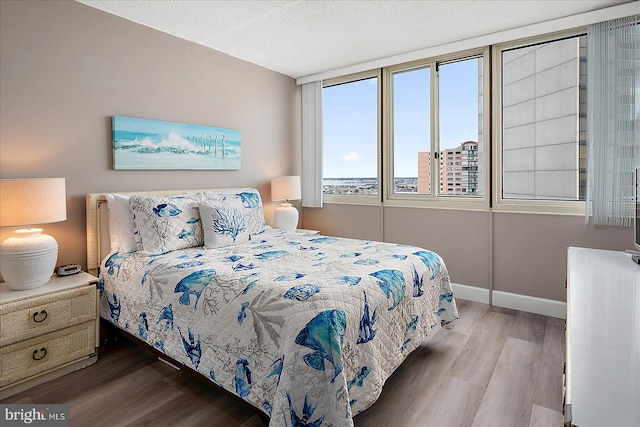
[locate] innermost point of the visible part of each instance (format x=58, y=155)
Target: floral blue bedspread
x=306, y=328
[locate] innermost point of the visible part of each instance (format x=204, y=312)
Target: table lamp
x=28, y=258
x=286, y=188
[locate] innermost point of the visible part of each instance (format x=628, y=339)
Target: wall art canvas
x=150, y=144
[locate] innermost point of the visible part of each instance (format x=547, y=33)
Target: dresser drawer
x=31, y=317
x=37, y=355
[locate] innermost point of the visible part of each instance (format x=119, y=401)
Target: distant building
x=543, y=121
x=459, y=173
x=459, y=170
x=424, y=172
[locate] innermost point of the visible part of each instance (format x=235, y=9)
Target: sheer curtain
x=312, y=145
x=613, y=73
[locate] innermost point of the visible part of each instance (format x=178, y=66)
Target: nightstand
x=47, y=332
x=305, y=231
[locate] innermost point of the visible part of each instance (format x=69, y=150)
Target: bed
x=305, y=328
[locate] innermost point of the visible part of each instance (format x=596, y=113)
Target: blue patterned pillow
x=248, y=201
x=167, y=223
x=223, y=224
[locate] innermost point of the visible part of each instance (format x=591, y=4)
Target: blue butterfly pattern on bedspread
x=298, y=325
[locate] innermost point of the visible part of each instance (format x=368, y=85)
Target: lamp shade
x=285, y=188
x=32, y=201
x=27, y=258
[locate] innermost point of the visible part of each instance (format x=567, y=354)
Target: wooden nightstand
x=47, y=332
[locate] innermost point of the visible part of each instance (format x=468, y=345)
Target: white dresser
x=603, y=339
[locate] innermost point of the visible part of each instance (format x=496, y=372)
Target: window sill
x=540, y=207
x=479, y=204
x=351, y=200
x=543, y=207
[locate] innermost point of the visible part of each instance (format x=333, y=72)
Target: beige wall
x=353, y=221
x=462, y=238
x=523, y=254
x=66, y=68
x=530, y=251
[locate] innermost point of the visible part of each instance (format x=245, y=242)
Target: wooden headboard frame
x=98, y=240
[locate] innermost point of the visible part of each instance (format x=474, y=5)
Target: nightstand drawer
x=31, y=317
x=37, y=355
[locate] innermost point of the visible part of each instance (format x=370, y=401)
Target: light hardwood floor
x=497, y=367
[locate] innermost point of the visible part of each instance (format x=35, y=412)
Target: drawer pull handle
x=35, y=352
x=40, y=317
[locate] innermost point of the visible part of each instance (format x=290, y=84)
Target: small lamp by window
x=286, y=188
x=28, y=258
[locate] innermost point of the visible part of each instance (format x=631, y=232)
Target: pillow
x=223, y=224
x=251, y=206
x=122, y=227
x=114, y=228
x=167, y=223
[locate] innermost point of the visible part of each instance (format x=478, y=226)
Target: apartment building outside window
x=542, y=139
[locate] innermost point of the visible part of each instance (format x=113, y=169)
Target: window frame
x=500, y=204
x=492, y=199
x=435, y=199
x=361, y=199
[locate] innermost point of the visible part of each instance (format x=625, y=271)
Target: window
x=543, y=121
x=412, y=131
x=351, y=136
x=431, y=131
x=460, y=100
x=435, y=119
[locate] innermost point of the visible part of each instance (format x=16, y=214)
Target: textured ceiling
x=302, y=37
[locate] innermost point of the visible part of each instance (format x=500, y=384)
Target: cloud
x=352, y=156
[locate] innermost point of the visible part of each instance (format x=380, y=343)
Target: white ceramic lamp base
x=286, y=217
x=28, y=258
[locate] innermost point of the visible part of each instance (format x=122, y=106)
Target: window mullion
x=380, y=143
x=387, y=134
x=435, y=133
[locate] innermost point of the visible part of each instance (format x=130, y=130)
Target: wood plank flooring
x=497, y=367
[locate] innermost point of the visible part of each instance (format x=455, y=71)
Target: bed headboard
x=98, y=241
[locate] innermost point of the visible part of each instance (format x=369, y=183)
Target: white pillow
x=122, y=227
x=250, y=205
x=167, y=223
x=114, y=228
x=223, y=224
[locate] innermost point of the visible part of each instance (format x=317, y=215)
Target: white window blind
x=312, y=145
x=613, y=56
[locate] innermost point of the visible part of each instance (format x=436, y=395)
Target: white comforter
x=307, y=328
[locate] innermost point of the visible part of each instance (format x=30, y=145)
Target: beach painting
x=156, y=145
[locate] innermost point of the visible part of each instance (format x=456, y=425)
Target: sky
x=132, y=124
x=350, y=120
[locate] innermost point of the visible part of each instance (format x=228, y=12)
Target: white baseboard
x=471, y=293
x=526, y=303
x=530, y=304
